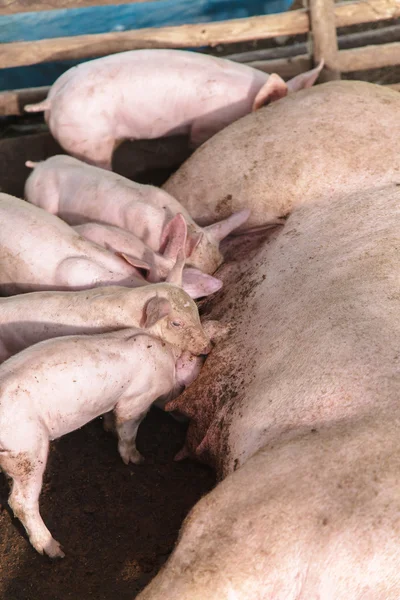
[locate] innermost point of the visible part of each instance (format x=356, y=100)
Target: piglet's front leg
x=127, y=421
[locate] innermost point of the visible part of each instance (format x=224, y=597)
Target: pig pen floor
x=117, y=523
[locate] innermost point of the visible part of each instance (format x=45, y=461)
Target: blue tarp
x=103, y=19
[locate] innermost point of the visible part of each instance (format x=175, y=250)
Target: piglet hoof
x=129, y=454
x=51, y=548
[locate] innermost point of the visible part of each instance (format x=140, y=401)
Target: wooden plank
x=345, y=42
x=285, y=67
x=31, y=26
x=12, y=7
x=323, y=37
x=356, y=59
x=370, y=11
x=16, y=54
x=369, y=57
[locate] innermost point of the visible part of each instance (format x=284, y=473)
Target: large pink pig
x=299, y=411
x=79, y=193
x=154, y=93
x=335, y=138
x=56, y=386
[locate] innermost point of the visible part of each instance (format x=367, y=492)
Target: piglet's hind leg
x=26, y=471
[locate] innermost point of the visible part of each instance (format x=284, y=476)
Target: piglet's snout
x=200, y=344
x=207, y=349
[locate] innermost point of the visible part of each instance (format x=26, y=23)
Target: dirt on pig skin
x=117, y=524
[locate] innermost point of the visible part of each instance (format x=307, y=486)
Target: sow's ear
x=273, y=89
x=155, y=309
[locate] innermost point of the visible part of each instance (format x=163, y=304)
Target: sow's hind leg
x=26, y=469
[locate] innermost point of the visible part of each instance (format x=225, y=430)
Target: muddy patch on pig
x=209, y=402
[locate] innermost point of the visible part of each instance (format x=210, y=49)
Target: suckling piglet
x=39, y=251
x=80, y=193
x=59, y=385
x=163, y=310
x=196, y=283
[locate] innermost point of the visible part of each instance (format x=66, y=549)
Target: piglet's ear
x=135, y=262
x=198, y=284
x=175, y=274
x=273, y=89
x=155, y=309
x=193, y=241
x=173, y=237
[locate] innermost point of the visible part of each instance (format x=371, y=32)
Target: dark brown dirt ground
x=117, y=523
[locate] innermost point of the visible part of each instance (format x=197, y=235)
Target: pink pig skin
x=58, y=386
x=40, y=251
x=299, y=410
x=144, y=94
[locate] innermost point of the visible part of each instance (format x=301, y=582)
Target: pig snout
x=199, y=344
x=207, y=348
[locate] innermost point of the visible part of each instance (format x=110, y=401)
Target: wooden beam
x=369, y=57
x=16, y=54
x=345, y=42
x=12, y=7
x=285, y=67
x=323, y=37
x=370, y=11
x=356, y=59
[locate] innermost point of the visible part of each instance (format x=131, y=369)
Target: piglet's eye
x=176, y=323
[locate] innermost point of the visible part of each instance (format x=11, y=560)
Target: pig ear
x=156, y=309
x=175, y=274
x=274, y=89
x=220, y=230
x=173, y=236
x=192, y=242
x=305, y=80
x=135, y=262
x=198, y=284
